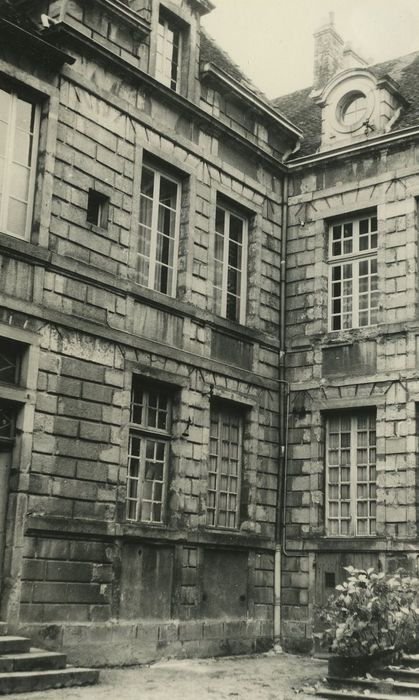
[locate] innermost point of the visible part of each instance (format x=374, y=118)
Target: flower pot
x=346, y=666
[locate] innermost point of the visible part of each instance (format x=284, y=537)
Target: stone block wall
x=372, y=368
x=75, y=555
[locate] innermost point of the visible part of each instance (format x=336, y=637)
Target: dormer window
x=169, y=47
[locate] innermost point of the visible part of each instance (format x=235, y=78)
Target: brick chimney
x=328, y=53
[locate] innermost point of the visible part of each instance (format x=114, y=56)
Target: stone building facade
x=176, y=252
x=140, y=240
x=352, y=327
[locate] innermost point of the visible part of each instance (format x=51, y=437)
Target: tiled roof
x=210, y=52
x=302, y=111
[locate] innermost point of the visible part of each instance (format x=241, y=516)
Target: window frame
x=146, y=433
x=224, y=409
x=230, y=211
x=353, y=518
x=17, y=93
x=169, y=24
x=353, y=259
x=158, y=173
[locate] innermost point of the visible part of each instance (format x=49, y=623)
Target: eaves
x=64, y=32
x=44, y=52
x=408, y=134
x=211, y=71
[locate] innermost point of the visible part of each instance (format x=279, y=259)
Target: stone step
x=385, y=685
x=30, y=681
x=400, y=673
x=410, y=660
x=34, y=660
x=14, y=645
x=353, y=694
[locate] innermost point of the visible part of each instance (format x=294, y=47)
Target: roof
x=211, y=53
x=305, y=113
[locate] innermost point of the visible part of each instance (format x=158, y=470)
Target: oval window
x=353, y=109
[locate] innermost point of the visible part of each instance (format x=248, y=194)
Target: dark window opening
x=330, y=579
x=10, y=359
x=97, y=209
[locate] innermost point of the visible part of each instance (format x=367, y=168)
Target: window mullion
x=174, y=262
x=32, y=173
x=243, y=271
x=141, y=476
x=217, y=484
x=9, y=158
x=225, y=262
x=154, y=224
x=353, y=466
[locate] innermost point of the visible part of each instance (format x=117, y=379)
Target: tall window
x=230, y=258
x=19, y=132
x=353, y=273
x=149, y=443
x=226, y=427
x=351, y=474
x=169, y=48
x=158, y=231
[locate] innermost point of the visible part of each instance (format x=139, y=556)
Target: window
x=225, y=457
x=159, y=231
x=19, y=132
x=97, y=209
x=169, y=38
x=353, y=109
x=148, y=453
x=351, y=475
x=230, y=258
x=353, y=276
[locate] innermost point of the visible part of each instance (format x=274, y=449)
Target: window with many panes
x=225, y=464
x=19, y=133
x=148, y=452
x=158, y=235
x=230, y=264
x=351, y=474
x=353, y=279
x=169, y=47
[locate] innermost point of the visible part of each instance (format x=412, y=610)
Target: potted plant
x=370, y=620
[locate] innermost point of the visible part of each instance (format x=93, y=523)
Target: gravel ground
x=263, y=677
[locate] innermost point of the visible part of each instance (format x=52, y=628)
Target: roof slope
x=302, y=111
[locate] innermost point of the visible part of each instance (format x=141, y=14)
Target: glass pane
x=24, y=115
x=168, y=192
x=16, y=219
x=147, y=182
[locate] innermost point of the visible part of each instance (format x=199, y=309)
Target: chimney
x=328, y=53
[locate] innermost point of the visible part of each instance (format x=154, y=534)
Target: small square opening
x=97, y=209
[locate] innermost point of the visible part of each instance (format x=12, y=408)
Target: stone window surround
x=47, y=97
x=155, y=204
x=17, y=94
x=254, y=217
x=229, y=210
x=351, y=500
x=23, y=394
x=352, y=258
x=178, y=17
x=219, y=413
x=377, y=115
x=156, y=436
x=185, y=175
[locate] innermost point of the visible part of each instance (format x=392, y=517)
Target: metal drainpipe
x=283, y=412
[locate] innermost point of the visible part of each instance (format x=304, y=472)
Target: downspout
x=283, y=413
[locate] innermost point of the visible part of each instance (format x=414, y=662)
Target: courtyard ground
x=263, y=677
